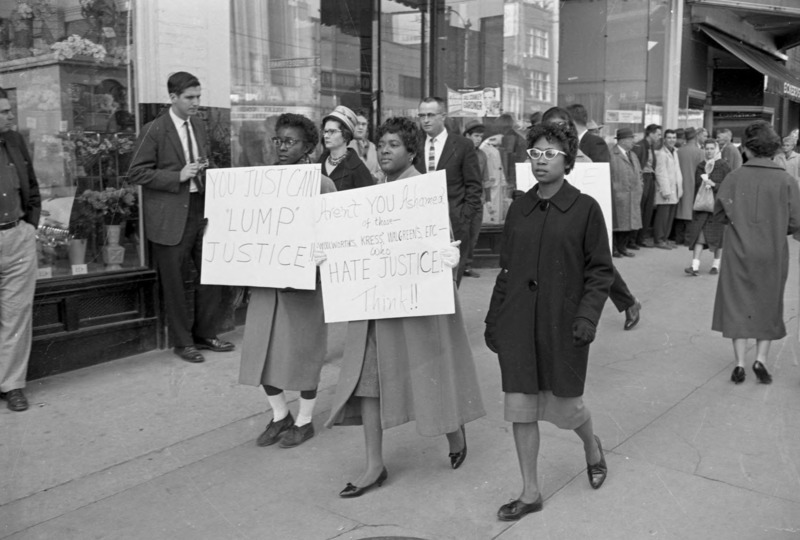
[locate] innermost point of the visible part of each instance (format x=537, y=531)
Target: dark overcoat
x=351, y=173
x=626, y=178
x=761, y=201
x=555, y=266
x=28, y=185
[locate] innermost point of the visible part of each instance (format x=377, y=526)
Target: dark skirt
x=713, y=231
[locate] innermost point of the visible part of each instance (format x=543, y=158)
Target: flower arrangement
x=89, y=149
x=75, y=45
x=113, y=205
x=24, y=10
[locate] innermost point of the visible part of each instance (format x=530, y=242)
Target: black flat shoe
x=214, y=344
x=761, y=372
x=351, y=491
x=597, y=472
x=457, y=458
x=632, y=315
x=517, y=509
x=738, y=375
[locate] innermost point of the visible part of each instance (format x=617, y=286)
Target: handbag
x=704, y=202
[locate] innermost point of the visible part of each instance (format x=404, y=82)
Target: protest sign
x=477, y=101
x=593, y=179
x=260, y=226
x=383, y=250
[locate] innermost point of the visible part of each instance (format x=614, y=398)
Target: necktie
x=432, y=156
x=628, y=155
x=197, y=182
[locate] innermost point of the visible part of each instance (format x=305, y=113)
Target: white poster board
x=383, y=250
x=261, y=226
x=593, y=179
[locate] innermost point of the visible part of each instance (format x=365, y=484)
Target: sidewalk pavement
x=152, y=447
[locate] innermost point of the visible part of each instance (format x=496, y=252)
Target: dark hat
x=624, y=133
x=473, y=125
x=343, y=114
x=680, y=133
x=690, y=133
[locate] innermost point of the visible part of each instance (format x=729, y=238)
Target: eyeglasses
x=331, y=132
x=549, y=154
x=288, y=142
x=426, y=116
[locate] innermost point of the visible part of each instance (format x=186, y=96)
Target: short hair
x=760, y=138
x=505, y=120
x=554, y=112
x=362, y=112
x=407, y=129
x=181, y=81
x=3, y=93
x=310, y=132
x=434, y=99
x=578, y=113
x=726, y=131
x=652, y=128
x=346, y=133
x=668, y=131
x=566, y=136
x=702, y=130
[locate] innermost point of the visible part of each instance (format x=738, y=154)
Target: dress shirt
x=438, y=146
x=179, y=125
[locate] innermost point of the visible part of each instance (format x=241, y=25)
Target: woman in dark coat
x=761, y=203
x=339, y=162
x=705, y=232
x=555, y=275
x=285, y=338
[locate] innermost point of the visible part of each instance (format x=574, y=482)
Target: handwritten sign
x=260, y=226
x=383, y=250
x=593, y=179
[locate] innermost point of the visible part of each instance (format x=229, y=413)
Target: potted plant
x=113, y=206
x=81, y=227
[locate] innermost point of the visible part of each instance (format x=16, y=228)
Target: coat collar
x=562, y=200
x=762, y=162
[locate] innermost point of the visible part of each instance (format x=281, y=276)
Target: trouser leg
x=207, y=298
x=474, y=232
x=647, y=206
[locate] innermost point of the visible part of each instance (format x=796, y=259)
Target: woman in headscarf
x=285, y=338
x=704, y=231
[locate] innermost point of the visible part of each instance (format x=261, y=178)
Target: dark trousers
x=680, y=227
x=662, y=223
x=169, y=261
x=461, y=231
x=474, y=231
x=619, y=294
x=647, y=205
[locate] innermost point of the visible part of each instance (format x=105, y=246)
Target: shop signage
x=472, y=102
x=623, y=117
x=260, y=228
x=382, y=245
x=292, y=63
x=334, y=80
x=594, y=179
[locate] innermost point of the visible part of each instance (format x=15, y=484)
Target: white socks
x=695, y=264
x=279, y=407
x=306, y=412
x=716, y=263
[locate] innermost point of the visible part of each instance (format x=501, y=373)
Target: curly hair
x=407, y=129
x=310, y=132
x=760, y=138
x=566, y=136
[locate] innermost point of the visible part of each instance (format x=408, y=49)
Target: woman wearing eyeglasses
x=285, y=339
x=555, y=276
x=340, y=162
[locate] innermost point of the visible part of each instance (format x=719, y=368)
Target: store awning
x=779, y=79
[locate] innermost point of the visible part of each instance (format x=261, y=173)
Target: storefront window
x=66, y=65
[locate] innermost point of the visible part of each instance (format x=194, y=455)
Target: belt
x=9, y=225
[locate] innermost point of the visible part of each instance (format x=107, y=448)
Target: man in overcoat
x=626, y=175
x=669, y=189
x=690, y=155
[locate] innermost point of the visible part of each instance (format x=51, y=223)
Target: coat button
x=533, y=285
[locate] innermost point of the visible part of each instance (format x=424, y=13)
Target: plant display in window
x=112, y=205
x=75, y=45
x=24, y=10
x=89, y=149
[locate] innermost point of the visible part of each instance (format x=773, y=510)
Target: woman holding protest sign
x=411, y=368
x=555, y=274
x=285, y=338
x=339, y=161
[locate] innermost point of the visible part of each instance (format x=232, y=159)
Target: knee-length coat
x=555, y=266
x=426, y=371
x=626, y=178
x=761, y=202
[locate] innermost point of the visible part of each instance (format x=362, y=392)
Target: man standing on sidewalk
x=669, y=189
x=167, y=163
x=689, y=157
x=474, y=132
x=645, y=150
x=20, y=205
x=729, y=152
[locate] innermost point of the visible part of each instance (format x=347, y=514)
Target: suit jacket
x=460, y=162
x=156, y=165
x=595, y=148
x=31, y=201
x=732, y=155
x=642, y=149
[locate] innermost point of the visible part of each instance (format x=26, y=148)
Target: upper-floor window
x=539, y=85
x=538, y=42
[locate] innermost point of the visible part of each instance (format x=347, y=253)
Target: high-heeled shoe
x=351, y=491
x=457, y=458
x=597, y=472
x=761, y=372
x=738, y=375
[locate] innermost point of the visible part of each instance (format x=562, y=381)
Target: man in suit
x=689, y=157
x=728, y=150
x=645, y=150
x=167, y=163
x=20, y=205
x=456, y=155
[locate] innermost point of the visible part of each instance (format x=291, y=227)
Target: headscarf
x=717, y=155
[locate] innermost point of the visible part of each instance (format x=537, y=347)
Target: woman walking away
x=761, y=204
x=555, y=275
x=705, y=231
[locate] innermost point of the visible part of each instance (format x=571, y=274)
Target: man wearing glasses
x=456, y=156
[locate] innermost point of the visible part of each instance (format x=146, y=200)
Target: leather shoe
x=738, y=375
x=691, y=271
x=16, y=400
x=517, y=509
x=295, y=436
x=661, y=245
x=190, y=354
x=457, y=458
x=760, y=370
x=627, y=253
x=351, y=491
x=214, y=344
x=713, y=270
x=632, y=315
x=275, y=430
x=469, y=272
x=634, y=246
x=617, y=255
x=597, y=472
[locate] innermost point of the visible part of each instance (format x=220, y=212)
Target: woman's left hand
x=451, y=255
